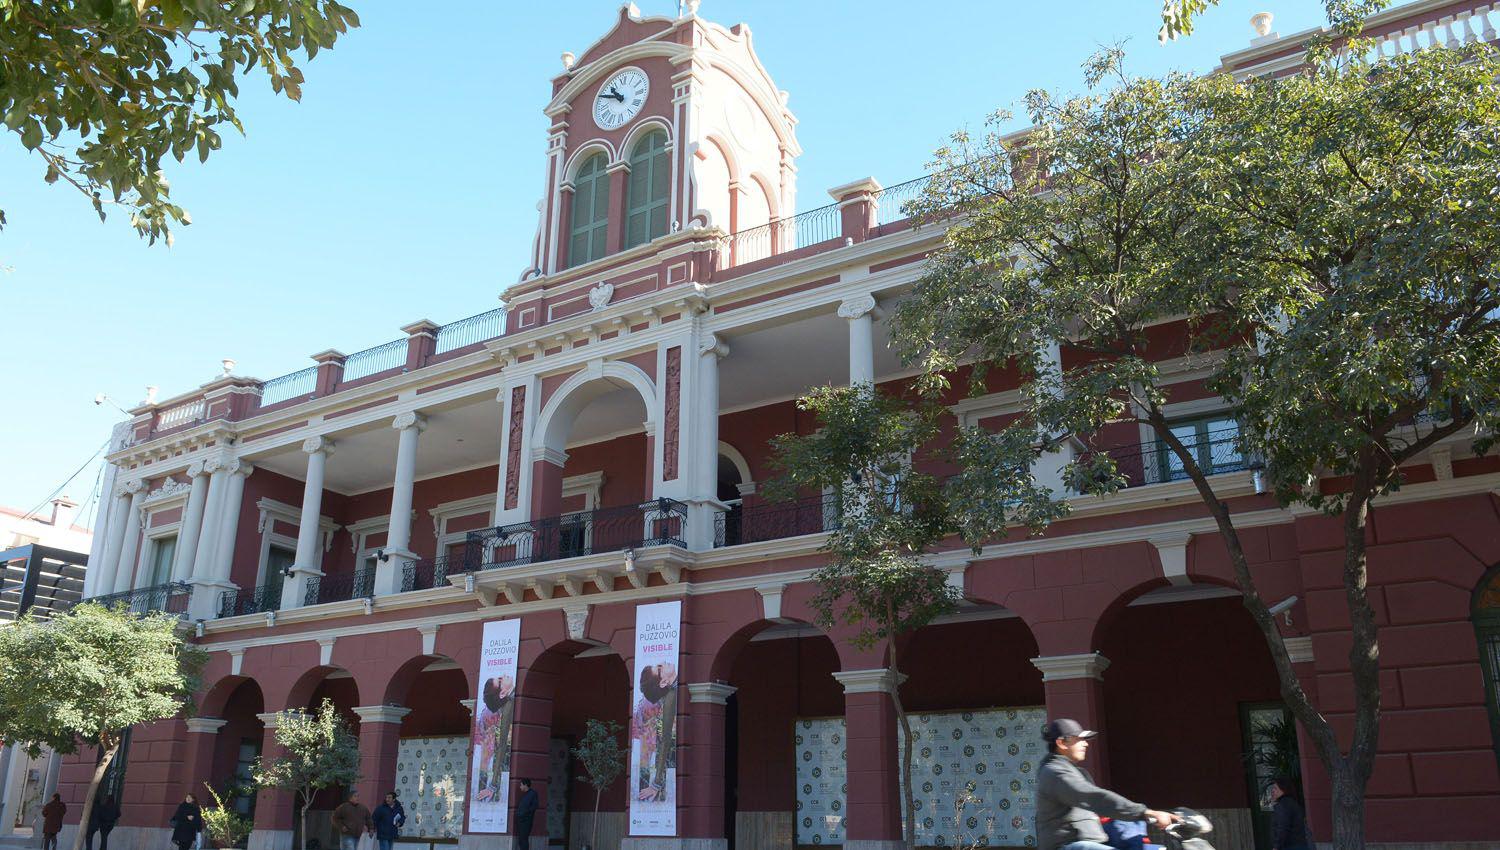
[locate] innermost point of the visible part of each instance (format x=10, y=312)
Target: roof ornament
x=228, y=364
x=1261, y=23
x=568, y=59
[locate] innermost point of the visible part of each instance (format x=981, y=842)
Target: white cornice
x=713, y=693
x=877, y=681
x=1057, y=668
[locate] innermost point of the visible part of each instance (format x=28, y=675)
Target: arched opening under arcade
x=237, y=744
x=1192, y=705
x=428, y=763
x=340, y=689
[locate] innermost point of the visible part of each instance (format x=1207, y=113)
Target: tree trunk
x=908, y=795
x=594, y=830
x=110, y=748
x=1348, y=809
x=302, y=820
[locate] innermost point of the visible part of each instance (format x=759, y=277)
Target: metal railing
x=250, y=600
x=299, y=383
x=660, y=522
x=783, y=235
x=891, y=202
x=1216, y=452
x=753, y=523
x=182, y=414
x=381, y=358
x=358, y=584
x=428, y=573
x=169, y=598
x=487, y=325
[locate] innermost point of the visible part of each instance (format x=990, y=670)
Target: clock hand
x=614, y=94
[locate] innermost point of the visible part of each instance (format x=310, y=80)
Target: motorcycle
x=1186, y=834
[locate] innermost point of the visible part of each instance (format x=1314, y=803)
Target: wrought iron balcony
x=358, y=584
x=753, y=523
x=660, y=522
x=250, y=600
x=428, y=573
x=169, y=598
x=1215, y=452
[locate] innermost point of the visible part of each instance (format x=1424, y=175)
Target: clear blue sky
x=404, y=184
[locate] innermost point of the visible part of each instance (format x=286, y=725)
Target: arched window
x=650, y=184
x=590, y=220
x=1486, y=616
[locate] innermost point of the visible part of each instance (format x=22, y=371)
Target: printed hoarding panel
x=494, y=711
x=653, y=720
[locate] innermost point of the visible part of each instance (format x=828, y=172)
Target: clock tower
x=663, y=130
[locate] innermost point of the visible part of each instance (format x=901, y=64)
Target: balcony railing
x=428, y=573
x=250, y=600
x=358, y=584
x=660, y=522
x=486, y=325
x=182, y=414
x=170, y=598
x=891, y=202
x=371, y=361
x=299, y=383
x=761, y=521
x=787, y=234
x=1154, y=463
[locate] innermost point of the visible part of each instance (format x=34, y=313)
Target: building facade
x=368, y=530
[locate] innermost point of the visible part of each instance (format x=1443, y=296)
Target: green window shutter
x=648, y=190
x=589, y=224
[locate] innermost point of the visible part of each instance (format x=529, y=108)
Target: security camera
x=1282, y=606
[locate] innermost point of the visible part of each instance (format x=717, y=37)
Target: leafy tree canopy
x=1344, y=16
x=103, y=90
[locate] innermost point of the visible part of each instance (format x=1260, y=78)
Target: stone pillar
x=203, y=734
x=700, y=766
x=858, y=207
x=229, y=521
x=192, y=523
x=104, y=584
x=379, y=737
x=421, y=342
x=1074, y=687
x=390, y=570
x=204, y=603
x=873, y=804
x=124, y=571
x=513, y=493
x=704, y=506
x=619, y=208
x=330, y=372
x=530, y=755
x=309, y=532
x=273, y=807
x=1048, y=468
x=861, y=311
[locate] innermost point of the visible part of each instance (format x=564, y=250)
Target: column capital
x=550, y=455
x=242, y=468
x=381, y=713
x=272, y=719
x=859, y=306
x=1084, y=665
x=196, y=468
x=134, y=487
x=409, y=419
x=713, y=693
x=205, y=724
x=711, y=344
x=881, y=680
x=469, y=704
x=315, y=444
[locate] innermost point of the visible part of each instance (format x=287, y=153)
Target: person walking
x=1288, y=819
x=102, y=819
x=525, y=814
x=187, y=822
x=1069, y=804
x=388, y=818
x=352, y=820
x=52, y=815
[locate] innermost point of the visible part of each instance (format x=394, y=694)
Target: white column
x=192, y=523
x=309, y=532
x=204, y=603
x=390, y=571
x=109, y=563
x=229, y=520
x=704, y=506
x=1048, y=468
x=861, y=311
x=103, y=531
x=130, y=540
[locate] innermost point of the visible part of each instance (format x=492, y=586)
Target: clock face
x=620, y=99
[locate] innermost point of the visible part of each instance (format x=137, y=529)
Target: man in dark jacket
x=52, y=816
x=525, y=814
x=388, y=818
x=1068, y=803
x=351, y=819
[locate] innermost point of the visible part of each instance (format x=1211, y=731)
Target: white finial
x=692, y=8
x=568, y=59
x=228, y=365
x=1261, y=22
x=151, y=395
x=632, y=11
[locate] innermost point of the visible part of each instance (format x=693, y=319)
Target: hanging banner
x=494, y=709
x=653, y=720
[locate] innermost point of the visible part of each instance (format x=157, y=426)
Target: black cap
x=1064, y=727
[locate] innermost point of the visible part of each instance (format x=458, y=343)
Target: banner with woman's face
x=494, y=711
x=653, y=720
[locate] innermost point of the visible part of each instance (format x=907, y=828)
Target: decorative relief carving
x=673, y=415
x=578, y=616
x=169, y=488
x=313, y=445
x=195, y=469
x=409, y=419
x=600, y=295
x=513, y=451
x=856, y=306
x=130, y=488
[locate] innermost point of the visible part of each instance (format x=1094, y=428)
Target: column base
x=270, y=839
x=649, y=843
x=391, y=572
x=702, y=523
x=203, y=604
x=294, y=589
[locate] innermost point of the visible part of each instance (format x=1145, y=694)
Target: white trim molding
x=381, y=713
x=713, y=693
x=210, y=725
x=1061, y=668
x=881, y=680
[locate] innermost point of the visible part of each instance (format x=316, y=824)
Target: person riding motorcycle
x=1069, y=804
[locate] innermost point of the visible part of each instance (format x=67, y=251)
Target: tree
x=1344, y=16
x=889, y=516
x=224, y=826
x=102, y=90
x=85, y=676
x=317, y=751
x=1330, y=236
x=603, y=760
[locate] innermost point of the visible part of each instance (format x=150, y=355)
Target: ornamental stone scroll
x=315, y=444
x=858, y=307
x=409, y=419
